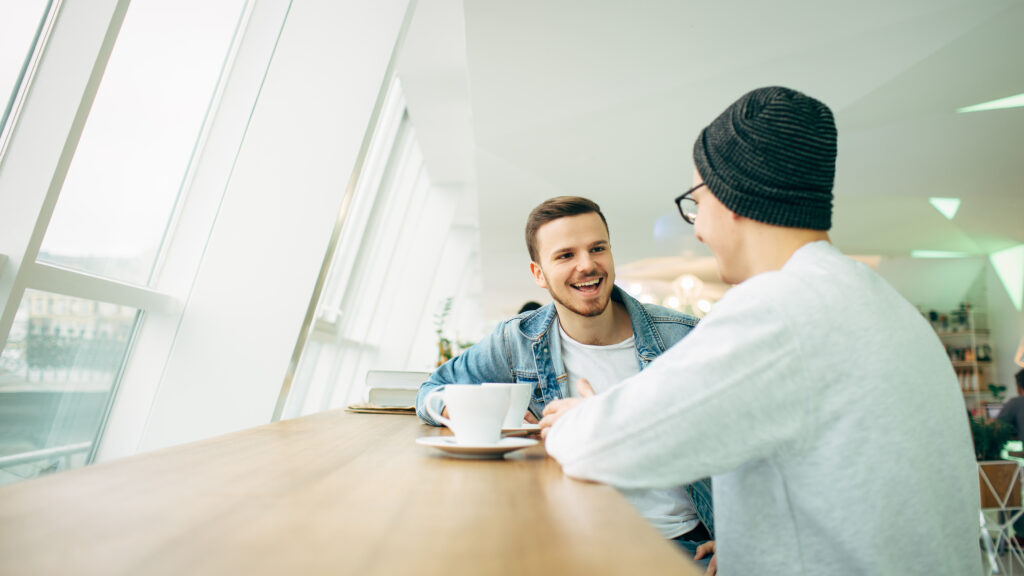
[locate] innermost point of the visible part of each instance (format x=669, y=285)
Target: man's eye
x=563, y=256
x=598, y=249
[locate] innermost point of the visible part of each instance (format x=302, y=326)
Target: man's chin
x=589, y=310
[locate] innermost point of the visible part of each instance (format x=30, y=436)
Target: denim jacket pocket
x=700, y=496
x=536, y=396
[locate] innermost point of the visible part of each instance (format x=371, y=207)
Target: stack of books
x=391, y=392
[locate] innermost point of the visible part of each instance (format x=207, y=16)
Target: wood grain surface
x=331, y=493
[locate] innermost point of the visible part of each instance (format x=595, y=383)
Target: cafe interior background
x=218, y=215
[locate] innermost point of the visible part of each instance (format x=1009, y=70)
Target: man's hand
x=702, y=551
x=555, y=410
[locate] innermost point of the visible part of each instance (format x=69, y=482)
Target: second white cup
x=519, y=401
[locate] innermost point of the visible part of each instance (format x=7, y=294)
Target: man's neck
x=610, y=327
x=768, y=248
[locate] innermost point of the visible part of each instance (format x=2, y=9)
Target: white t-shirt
x=793, y=394
x=669, y=510
x=602, y=366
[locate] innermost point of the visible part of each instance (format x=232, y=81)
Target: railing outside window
x=84, y=294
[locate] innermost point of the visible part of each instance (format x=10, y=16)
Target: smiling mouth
x=588, y=287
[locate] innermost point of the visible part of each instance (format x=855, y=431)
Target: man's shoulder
x=1015, y=404
x=661, y=314
x=530, y=325
x=664, y=327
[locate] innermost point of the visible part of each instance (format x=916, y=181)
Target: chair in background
x=1000, y=507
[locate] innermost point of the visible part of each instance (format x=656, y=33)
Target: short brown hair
x=553, y=209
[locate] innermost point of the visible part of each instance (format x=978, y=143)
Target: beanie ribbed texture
x=771, y=157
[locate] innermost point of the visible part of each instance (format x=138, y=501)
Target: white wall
x=1007, y=328
x=941, y=284
x=243, y=316
x=932, y=284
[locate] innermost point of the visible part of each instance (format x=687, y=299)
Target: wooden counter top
x=331, y=493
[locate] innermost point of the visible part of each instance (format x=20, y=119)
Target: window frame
x=10, y=113
x=221, y=360
x=53, y=105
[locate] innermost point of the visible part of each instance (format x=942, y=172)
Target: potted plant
x=996, y=390
x=998, y=478
x=444, y=345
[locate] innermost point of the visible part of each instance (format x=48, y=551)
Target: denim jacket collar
x=648, y=341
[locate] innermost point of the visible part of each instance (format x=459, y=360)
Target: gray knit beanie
x=771, y=157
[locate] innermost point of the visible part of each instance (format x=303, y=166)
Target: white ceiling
x=536, y=98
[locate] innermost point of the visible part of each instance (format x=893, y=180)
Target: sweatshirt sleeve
x=732, y=391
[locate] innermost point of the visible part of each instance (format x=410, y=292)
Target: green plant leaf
x=989, y=438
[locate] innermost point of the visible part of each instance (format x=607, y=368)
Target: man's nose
x=585, y=262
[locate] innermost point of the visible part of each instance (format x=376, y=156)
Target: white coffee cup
x=475, y=412
x=518, y=401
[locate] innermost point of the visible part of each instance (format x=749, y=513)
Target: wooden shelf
x=970, y=339
x=954, y=334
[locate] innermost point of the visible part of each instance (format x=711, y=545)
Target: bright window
x=133, y=158
x=87, y=289
x=401, y=254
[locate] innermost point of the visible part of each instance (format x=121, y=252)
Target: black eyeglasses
x=687, y=205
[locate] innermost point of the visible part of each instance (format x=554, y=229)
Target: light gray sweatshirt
x=828, y=414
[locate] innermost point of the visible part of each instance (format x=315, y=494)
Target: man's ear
x=538, y=275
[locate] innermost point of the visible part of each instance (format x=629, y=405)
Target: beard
x=586, y=309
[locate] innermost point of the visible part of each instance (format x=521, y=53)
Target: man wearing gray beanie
x=821, y=402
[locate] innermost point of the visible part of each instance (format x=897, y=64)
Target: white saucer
x=522, y=429
x=496, y=450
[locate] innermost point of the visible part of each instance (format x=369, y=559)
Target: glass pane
x=18, y=25
x=124, y=181
x=57, y=376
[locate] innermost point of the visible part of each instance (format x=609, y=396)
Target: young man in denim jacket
x=591, y=337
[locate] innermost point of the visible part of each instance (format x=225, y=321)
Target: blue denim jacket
x=525, y=348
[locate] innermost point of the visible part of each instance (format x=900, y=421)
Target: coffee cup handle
x=428, y=405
